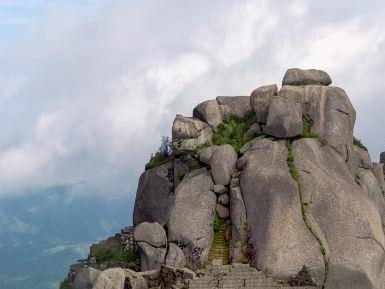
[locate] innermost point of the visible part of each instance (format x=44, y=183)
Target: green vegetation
x=64, y=285
x=127, y=258
x=162, y=156
x=220, y=245
x=181, y=175
x=295, y=176
x=359, y=143
x=231, y=132
x=203, y=146
x=217, y=223
x=307, y=126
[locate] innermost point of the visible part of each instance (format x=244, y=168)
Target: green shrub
x=181, y=175
x=217, y=223
x=162, y=156
x=64, y=285
x=231, y=132
x=359, y=143
x=203, y=146
x=107, y=255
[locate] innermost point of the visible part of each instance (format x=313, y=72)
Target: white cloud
x=87, y=97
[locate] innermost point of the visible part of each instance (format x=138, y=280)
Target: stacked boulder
x=303, y=194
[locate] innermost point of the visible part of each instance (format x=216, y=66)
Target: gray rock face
x=260, y=100
x=210, y=112
x=151, y=233
x=111, y=279
x=223, y=164
x=273, y=210
x=194, y=200
x=205, y=155
x=369, y=183
x=238, y=225
x=153, y=195
x=378, y=171
x=235, y=105
x=295, y=76
x=362, y=158
x=382, y=157
x=151, y=258
x=333, y=116
x=284, y=119
x=175, y=257
x=223, y=199
x=85, y=278
x=188, y=133
x=344, y=217
x=220, y=189
x=180, y=169
x=252, y=132
x=222, y=211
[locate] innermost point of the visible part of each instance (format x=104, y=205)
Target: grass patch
x=359, y=143
x=157, y=160
x=126, y=259
x=65, y=285
x=217, y=223
x=231, y=132
x=181, y=175
x=203, y=146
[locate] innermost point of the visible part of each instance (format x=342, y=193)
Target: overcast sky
x=87, y=88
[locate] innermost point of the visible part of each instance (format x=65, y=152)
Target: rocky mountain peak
x=275, y=180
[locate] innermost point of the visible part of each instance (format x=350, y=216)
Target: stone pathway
x=220, y=249
x=232, y=277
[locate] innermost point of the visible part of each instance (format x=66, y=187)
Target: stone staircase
x=219, y=248
x=232, y=277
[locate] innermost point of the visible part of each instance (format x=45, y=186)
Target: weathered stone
x=188, y=133
x=369, y=183
x=135, y=280
x=342, y=215
x=254, y=131
x=222, y=211
x=175, y=257
x=85, y=278
x=153, y=195
x=180, y=170
x=220, y=189
x=111, y=279
x=284, y=119
x=378, y=171
x=281, y=241
x=151, y=257
x=224, y=199
x=333, y=117
x=205, y=155
x=151, y=233
x=238, y=225
x=192, y=215
x=362, y=158
x=260, y=100
x=295, y=76
x=235, y=105
x=234, y=182
x=223, y=164
x=382, y=157
x=210, y=112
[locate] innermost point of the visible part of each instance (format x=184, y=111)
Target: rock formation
x=275, y=178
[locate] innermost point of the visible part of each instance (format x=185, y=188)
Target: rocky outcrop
x=260, y=100
x=153, y=195
x=223, y=164
x=293, y=193
x=175, y=256
x=86, y=278
x=192, y=213
x=272, y=204
x=295, y=76
x=188, y=133
x=111, y=279
x=284, y=119
x=342, y=216
x=210, y=112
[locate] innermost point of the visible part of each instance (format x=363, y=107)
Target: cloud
x=85, y=97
